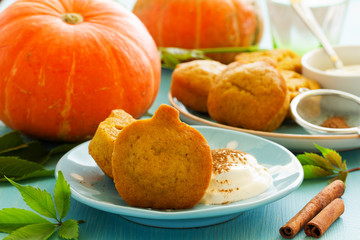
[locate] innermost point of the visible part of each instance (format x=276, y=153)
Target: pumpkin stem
x=72, y=18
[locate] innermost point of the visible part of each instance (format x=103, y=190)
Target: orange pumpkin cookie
x=102, y=144
x=252, y=96
x=191, y=82
x=161, y=162
x=295, y=81
x=284, y=58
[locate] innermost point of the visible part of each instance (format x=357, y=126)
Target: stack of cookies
x=254, y=92
x=159, y=163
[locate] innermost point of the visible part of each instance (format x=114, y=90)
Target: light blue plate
x=90, y=186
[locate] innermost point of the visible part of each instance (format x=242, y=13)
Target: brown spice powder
x=335, y=122
x=220, y=159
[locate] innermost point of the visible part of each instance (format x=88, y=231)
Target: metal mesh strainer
x=327, y=111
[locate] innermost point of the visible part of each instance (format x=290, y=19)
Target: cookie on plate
x=161, y=163
x=252, y=96
x=102, y=144
x=284, y=58
x=296, y=81
x=192, y=80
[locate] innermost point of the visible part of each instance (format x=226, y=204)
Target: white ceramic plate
x=289, y=134
x=90, y=186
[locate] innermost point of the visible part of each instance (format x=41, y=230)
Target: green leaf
x=15, y=148
x=311, y=171
x=181, y=54
x=20, y=160
x=314, y=159
x=57, y=150
x=10, y=140
x=331, y=164
x=39, y=231
x=343, y=166
x=14, y=218
x=15, y=167
x=172, y=56
x=62, y=195
x=62, y=148
x=169, y=60
x=332, y=156
x=31, y=151
x=304, y=160
x=39, y=200
x=37, y=173
x=69, y=229
x=26, y=225
x=341, y=176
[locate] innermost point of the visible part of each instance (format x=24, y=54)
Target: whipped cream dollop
x=236, y=176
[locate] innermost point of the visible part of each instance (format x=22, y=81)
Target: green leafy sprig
x=329, y=163
x=22, y=160
x=23, y=224
x=172, y=56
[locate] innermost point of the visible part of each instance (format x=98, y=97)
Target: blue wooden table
x=259, y=223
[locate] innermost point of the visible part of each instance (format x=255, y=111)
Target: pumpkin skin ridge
x=159, y=26
x=152, y=73
x=178, y=30
x=141, y=5
x=238, y=35
x=116, y=57
x=135, y=46
x=198, y=24
x=151, y=79
x=64, y=127
x=7, y=88
x=145, y=52
x=36, y=6
x=149, y=62
x=250, y=32
x=16, y=60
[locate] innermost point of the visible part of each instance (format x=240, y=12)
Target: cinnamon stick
x=319, y=224
x=320, y=201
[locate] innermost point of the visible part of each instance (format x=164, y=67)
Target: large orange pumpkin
x=202, y=23
x=65, y=64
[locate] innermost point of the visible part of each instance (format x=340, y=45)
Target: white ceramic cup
x=316, y=62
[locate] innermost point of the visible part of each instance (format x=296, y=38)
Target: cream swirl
x=236, y=175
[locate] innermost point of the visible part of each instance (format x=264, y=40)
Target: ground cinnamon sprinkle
x=335, y=122
x=220, y=159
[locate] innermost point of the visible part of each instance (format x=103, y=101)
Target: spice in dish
x=335, y=122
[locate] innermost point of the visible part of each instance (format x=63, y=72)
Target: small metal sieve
x=315, y=109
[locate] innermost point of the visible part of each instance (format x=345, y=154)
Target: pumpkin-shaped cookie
x=161, y=162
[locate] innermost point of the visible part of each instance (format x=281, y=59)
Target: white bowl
x=316, y=62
